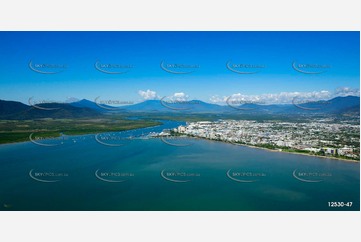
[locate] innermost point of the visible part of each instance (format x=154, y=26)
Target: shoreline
x=92, y=133
x=305, y=154
x=72, y=135
x=281, y=151
x=26, y=141
x=226, y=142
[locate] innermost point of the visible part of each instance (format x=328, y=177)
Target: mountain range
x=349, y=105
x=19, y=111
x=335, y=105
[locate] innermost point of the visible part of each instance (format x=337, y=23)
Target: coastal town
x=317, y=137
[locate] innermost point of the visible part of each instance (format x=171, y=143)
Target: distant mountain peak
x=84, y=107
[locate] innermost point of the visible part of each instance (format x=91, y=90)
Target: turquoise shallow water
x=159, y=176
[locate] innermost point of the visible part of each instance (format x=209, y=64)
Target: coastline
x=29, y=141
x=226, y=142
x=91, y=133
x=296, y=153
x=281, y=151
x=80, y=134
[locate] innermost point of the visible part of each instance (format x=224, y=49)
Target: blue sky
x=211, y=51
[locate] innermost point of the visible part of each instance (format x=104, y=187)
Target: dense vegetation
x=19, y=130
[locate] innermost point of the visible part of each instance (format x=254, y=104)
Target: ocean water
x=151, y=174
